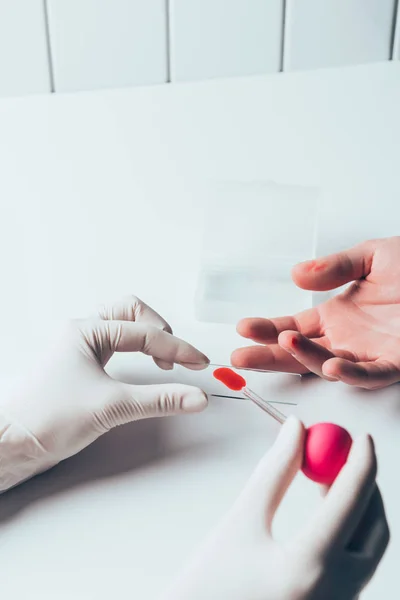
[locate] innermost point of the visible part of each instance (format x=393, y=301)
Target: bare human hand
x=354, y=337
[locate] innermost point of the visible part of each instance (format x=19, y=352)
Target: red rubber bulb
x=327, y=447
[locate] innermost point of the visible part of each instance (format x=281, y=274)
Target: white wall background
x=71, y=45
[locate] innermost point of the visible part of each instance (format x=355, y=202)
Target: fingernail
x=329, y=376
x=370, y=440
x=358, y=446
x=204, y=360
x=323, y=490
x=194, y=401
x=197, y=366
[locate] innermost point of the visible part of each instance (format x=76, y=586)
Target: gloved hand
x=70, y=400
x=332, y=557
x=353, y=337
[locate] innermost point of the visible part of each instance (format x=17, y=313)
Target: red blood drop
x=295, y=342
x=326, y=450
x=232, y=380
x=319, y=266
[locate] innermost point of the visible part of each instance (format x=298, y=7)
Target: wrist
x=21, y=454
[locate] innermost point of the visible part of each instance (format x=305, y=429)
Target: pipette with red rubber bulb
x=237, y=383
x=327, y=445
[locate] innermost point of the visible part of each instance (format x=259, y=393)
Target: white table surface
x=96, y=201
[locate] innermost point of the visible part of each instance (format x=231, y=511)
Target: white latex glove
x=70, y=400
x=331, y=558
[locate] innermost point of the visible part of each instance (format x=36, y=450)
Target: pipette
x=237, y=383
x=327, y=445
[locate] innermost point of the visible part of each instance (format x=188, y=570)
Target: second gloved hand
x=70, y=400
x=332, y=557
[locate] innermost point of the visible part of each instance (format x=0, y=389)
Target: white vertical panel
x=322, y=33
x=396, y=41
x=107, y=43
x=222, y=38
x=24, y=67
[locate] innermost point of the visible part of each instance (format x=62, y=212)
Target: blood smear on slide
x=228, y=377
